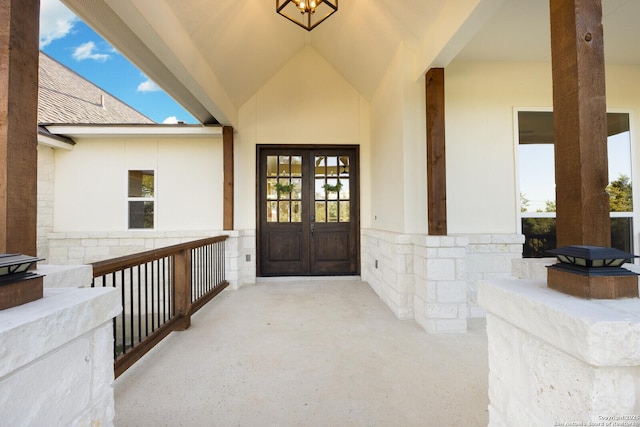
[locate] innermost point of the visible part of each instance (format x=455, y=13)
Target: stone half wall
x=57, y=356
x=555, y=359
x=77, y=248
x=433, y=279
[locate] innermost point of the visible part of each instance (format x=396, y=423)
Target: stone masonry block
x=479, y=239
x=389, y=276
x=59, y=252
x=504, y=362
x=77, y=253
x=132, y=242
x=440, y=269
x=451, y=253
x=421, y=252
x=461, y=241
x=432, y=292
x=498, y=395
x=403, y=249
x=94, y=254
x=419, y=266
x=463, y=310
x=54, y=243
x=441, y=311
x=101, y=360
x=452, y=291
x=89, y=242
x=513, y=239
x=107, y=242
x=488, y=263
x=477, y=312
x=433, y=242
x=516, y=249
x=399, y=300
x=461, y=269
x=404, y=263
x=420, y=289
x=431, y=253
x=479, y=249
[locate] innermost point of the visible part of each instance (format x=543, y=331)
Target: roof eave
x=142, y=130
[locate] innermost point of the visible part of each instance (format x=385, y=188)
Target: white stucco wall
x=480, y=98
x=398, y=153
x=481, y=166
x=306, y=102
x=91, y=183
x=46, y=172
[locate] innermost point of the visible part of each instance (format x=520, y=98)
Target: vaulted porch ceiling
x=213, y=55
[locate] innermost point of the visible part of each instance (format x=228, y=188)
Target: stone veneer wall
x=387, y=265
x=84, y=248
x=433, y=279
x=57, y=355
x=440, y=300
x=489, y=256
x=555, y=359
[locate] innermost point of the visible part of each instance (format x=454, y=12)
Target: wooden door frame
x=261, y=147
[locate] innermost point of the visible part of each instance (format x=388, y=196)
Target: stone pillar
x=57, y=358
x=440, y=300
x=555, y=359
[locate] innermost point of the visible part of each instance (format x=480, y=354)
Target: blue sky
x=67, y=39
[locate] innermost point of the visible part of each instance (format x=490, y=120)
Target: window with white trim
x=537, y=181
x=141, y=199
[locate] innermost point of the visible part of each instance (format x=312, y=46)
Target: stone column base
x=555, y=359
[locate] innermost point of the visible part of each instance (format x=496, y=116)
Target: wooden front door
x=308, y=209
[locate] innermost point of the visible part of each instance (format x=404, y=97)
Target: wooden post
x=580, y=123
x=182, y=299
x=436, y=158
x=18, y=125
x=227, y=140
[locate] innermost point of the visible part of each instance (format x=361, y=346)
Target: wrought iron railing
x=160, y=290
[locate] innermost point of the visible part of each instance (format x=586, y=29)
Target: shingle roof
x=65, y=97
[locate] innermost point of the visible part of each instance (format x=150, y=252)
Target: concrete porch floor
x=307, y=353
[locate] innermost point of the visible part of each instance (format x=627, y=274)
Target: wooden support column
x=19, y=21
x=436, y=159
x=182, y=296
x=227, y=140
x=580, y=123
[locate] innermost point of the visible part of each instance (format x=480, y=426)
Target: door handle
x=313, y=228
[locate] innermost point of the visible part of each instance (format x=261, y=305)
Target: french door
x=308, y=209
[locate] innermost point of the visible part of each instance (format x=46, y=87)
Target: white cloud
x=172, y=120
x=56, y=21
x=86, y=51
x=148, y=86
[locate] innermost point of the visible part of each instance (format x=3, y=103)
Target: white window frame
x=142, y=199
x=633, y=152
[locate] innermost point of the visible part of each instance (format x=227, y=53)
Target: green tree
x=524, y=203
x=550, y=206
x=620, y=198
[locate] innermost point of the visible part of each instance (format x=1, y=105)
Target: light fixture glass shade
x=306, y=13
